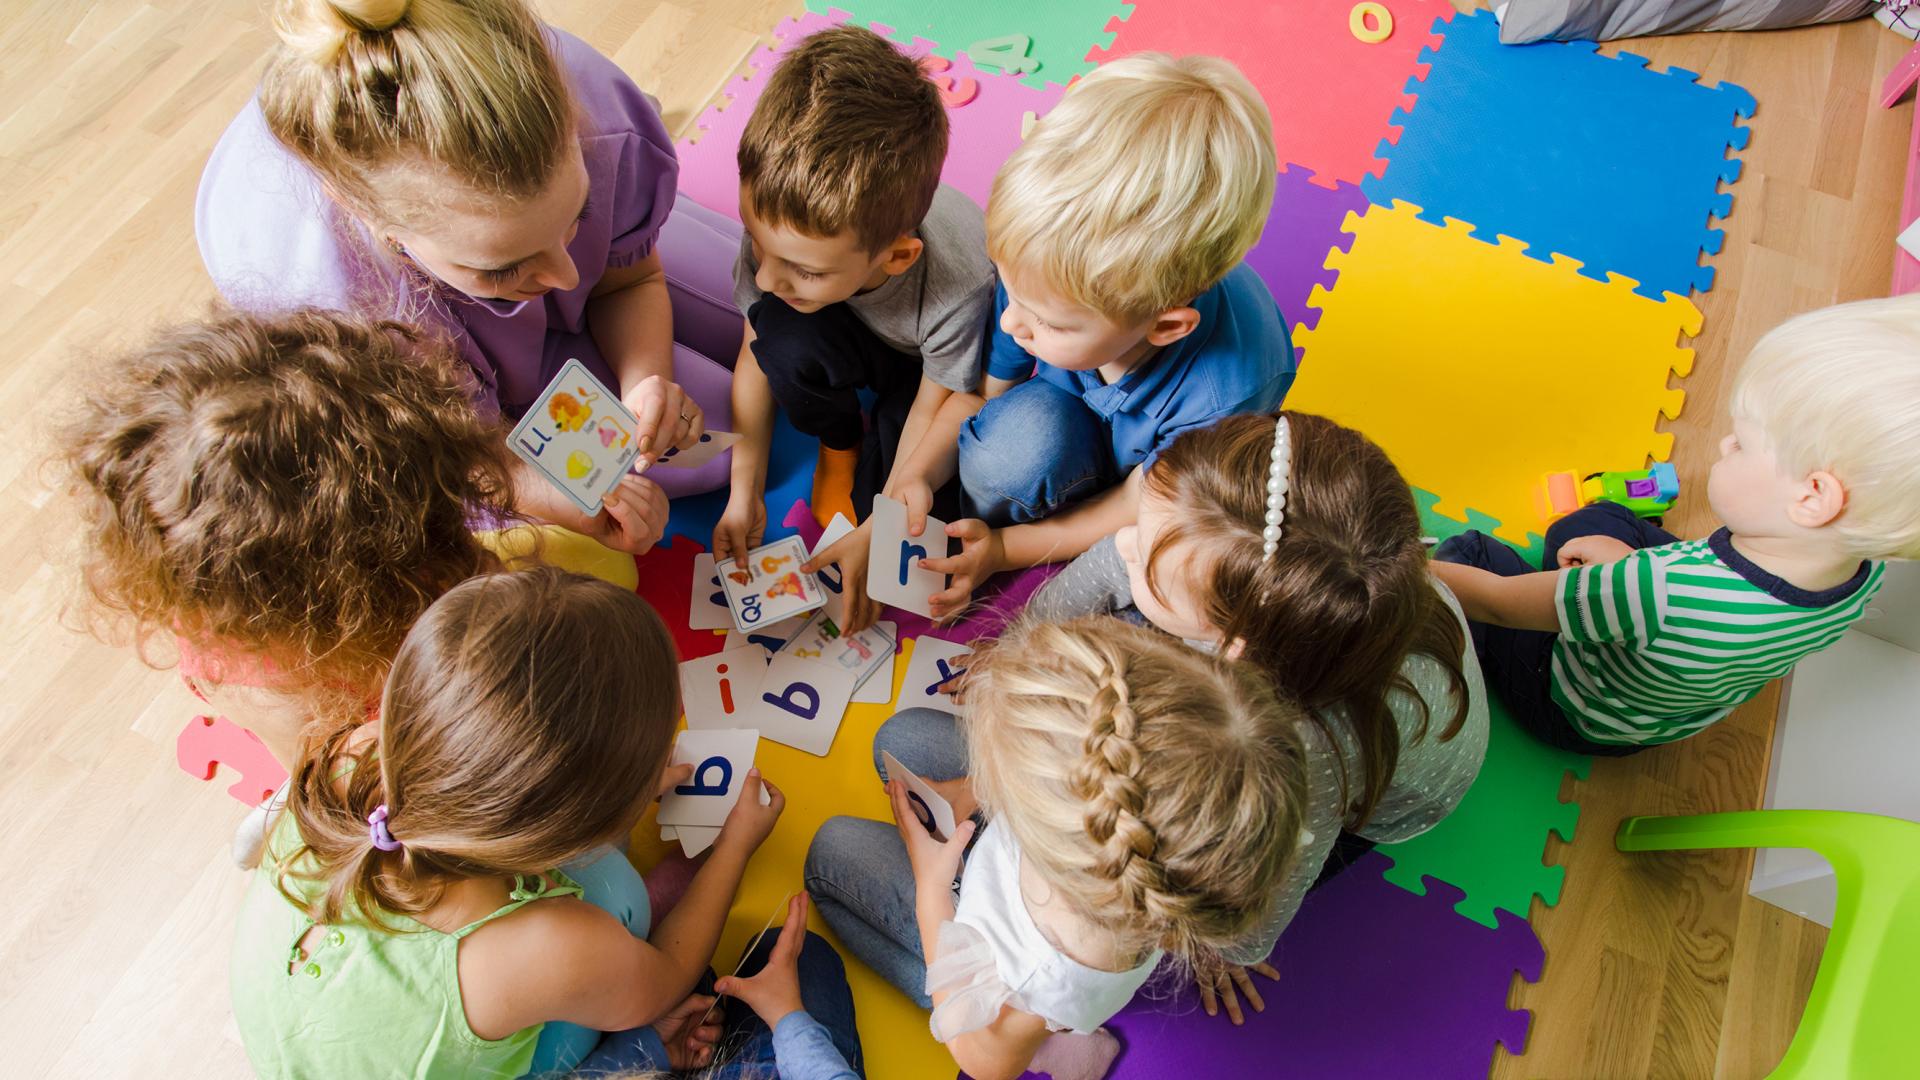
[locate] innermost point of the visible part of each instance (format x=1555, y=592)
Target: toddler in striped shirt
x=1632, y=637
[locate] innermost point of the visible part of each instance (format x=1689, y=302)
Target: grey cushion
x=1603, y=20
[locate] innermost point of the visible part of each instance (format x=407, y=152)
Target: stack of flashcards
x=693, y=812
x=789, y=676
x=580, y=437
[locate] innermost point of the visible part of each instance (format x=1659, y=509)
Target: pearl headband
x=1277, y=474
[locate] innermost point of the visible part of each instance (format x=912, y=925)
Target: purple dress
x=272, y=240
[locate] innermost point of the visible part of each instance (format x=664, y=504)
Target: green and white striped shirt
x=1669, y=639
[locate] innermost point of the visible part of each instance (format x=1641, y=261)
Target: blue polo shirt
x=1238, y=360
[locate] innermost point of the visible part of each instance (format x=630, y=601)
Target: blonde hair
x=293, y=490
x=527, y=720
x=358, y=87
x=849, y=134
x=1159, y=790
x=1838, y=389
x=1139, y=191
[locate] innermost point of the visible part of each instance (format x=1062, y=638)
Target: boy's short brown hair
x=848, y=135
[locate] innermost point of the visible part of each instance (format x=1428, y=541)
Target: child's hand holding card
x=578, y=435
x=936, y=662
x=720, y=761
x=772, y=587
x=894, y=573
x=934, y=812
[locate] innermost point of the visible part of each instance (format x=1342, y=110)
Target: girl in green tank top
x=408, y=919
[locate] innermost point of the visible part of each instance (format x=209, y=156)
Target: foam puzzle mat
x=1506, y=238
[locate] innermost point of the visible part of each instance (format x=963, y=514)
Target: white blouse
x=992, y=953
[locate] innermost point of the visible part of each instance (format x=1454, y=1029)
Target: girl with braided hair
x=1292, y=542
x=1142, y=800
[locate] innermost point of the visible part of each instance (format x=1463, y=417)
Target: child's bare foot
x=667, y=883
x=1068, y=1055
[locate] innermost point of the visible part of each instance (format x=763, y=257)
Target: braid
x=1107, y=776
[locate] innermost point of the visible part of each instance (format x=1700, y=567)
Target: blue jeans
x=1031, y=452
x=745, y=1039
x=857, y=870
x=1518, y=664
x=609, y=882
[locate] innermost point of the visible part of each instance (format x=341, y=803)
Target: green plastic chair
x=1863, y=1015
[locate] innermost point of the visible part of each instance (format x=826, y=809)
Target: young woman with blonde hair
x=457, y=164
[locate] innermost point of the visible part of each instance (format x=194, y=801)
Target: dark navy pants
x=1519, y=663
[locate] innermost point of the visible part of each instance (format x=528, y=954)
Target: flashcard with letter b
x=894, y=574
x=720, y=761
x=801, y=702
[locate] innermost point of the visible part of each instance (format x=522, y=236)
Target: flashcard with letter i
x=772, y=587
x=716, y=691
x=894, y=573
x=577, y=435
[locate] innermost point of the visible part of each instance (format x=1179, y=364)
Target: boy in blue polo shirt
x=1118, y=230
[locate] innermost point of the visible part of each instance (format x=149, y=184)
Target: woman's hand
x=774, y=991
x=749, y=823
x=668, y=418
x=935, y=862
x=1222, y=985
x=633, y=516
x=689, y=1042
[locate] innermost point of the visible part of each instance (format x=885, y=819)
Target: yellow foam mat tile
x=893, y=1030
x=1480, y=370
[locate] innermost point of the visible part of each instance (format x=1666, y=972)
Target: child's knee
x=1029, y=443
x=926, y=741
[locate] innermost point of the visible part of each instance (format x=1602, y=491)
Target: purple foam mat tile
x=1303, y=227
x=1374, y=982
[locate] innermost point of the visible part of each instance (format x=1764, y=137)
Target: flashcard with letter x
x=934, y=662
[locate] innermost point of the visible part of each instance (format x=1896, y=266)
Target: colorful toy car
x=1648, y=492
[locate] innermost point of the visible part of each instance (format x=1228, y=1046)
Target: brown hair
x=848, y=134
x=1345, y=598
x=1160, y=790
x=527, y=719
x=470, y=86
x=294, y=490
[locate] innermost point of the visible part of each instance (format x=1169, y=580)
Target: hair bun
x=317, y=29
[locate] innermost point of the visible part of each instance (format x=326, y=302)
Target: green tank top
x=363, y=1002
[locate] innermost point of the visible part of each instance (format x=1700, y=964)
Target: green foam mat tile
x=1440, y=527
x=1060, y=32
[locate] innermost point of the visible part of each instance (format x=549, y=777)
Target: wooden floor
x=114, y=934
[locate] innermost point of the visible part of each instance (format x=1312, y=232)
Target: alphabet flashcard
x=822, y=641
x=711, y=445
x=878, y=689
x=832, y=578
x=894, y=573
x=801, y=702
x=716, y=691
x=769, y=638
x=708, y=608
x=935, y=660
x=934, y=812
x=720, y=761
x=772, y=587
x=578, y=435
